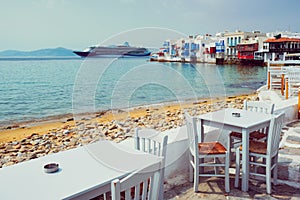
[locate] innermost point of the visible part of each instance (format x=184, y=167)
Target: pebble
x=86, y=132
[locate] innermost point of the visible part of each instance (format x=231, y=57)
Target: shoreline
x=21, y=130
x=36, y=140
x=13, y=124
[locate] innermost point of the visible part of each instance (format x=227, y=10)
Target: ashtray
x=236, y=114
x=51, y=167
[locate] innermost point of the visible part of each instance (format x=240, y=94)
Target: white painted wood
x=270, y=159
x=259, y=106
x=247, y=122
x=84, y=173
x=276, y=73
x=293, y=79
x=153, y=142
x=197, y=159
x=254, y=106
x=133, y=182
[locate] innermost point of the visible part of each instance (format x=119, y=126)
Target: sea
x=33, y=89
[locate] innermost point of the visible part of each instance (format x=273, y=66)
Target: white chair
x=276, y=77
x=153, y=142
x=201, y=153
x=292, y=81
x=142, y=184
x=263, y=154
x=235, y=138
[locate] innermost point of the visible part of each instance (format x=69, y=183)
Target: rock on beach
x=91, y=130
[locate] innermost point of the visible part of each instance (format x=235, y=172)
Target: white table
x=247, y=122
x=84, y=173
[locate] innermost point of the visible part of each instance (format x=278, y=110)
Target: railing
x=285, y=62
x=232, y=44
x=290, y=50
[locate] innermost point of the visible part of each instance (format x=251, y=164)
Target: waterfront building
x=250, y=51
x=232, y=39
x=214, y=49
x=190, y=49
x=278, y=48
x=220, y=51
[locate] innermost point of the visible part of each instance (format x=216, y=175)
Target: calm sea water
x=31, y=89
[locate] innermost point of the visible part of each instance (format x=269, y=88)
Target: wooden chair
x=263, y=154
x=292, y=81
x=276, y=77
x=153, y=142
x=201, y=151
x=145, y=180
x=235, y=138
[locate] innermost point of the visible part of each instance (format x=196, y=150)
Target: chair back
x=191, y=125
x=293, y=74
x=275, y=76
x=151, y=141
x=293, y=78
x=144, y=183
x=274, y=136
x=259, y=106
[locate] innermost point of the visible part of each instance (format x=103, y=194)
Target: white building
x=232, y=39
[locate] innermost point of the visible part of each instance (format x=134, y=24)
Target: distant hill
x=54, y=52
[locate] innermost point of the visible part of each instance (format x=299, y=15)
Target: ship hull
x=114, y=52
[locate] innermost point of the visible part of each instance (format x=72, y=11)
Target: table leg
x=201, y=136
x=245, y=160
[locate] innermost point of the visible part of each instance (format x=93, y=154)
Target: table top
x=80, y=169
x=247, y=119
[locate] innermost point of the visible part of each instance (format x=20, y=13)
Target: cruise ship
x=119, y=51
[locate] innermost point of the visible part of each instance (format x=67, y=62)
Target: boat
x=113, y=50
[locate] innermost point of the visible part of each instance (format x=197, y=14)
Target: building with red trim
x=278, y=48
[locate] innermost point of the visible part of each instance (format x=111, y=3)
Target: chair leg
x=268, y=176
x=237, y=167
x=196, y=178
x=227, y=163
x=196, y=173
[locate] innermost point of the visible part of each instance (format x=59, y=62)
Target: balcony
x=232, y=44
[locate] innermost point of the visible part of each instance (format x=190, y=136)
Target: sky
x=77, y=24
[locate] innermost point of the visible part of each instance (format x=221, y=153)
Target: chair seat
x=256, y=147
x=211, y=148
x=253, y=135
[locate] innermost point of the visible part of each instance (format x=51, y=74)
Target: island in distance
x=49, y=52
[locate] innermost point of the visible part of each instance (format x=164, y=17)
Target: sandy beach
x=28, y=140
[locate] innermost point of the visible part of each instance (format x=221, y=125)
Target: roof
x=283, y=39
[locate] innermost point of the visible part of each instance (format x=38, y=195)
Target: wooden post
x=269, y=76
x=286, y=89
x=282, y=84
x=298, y=103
